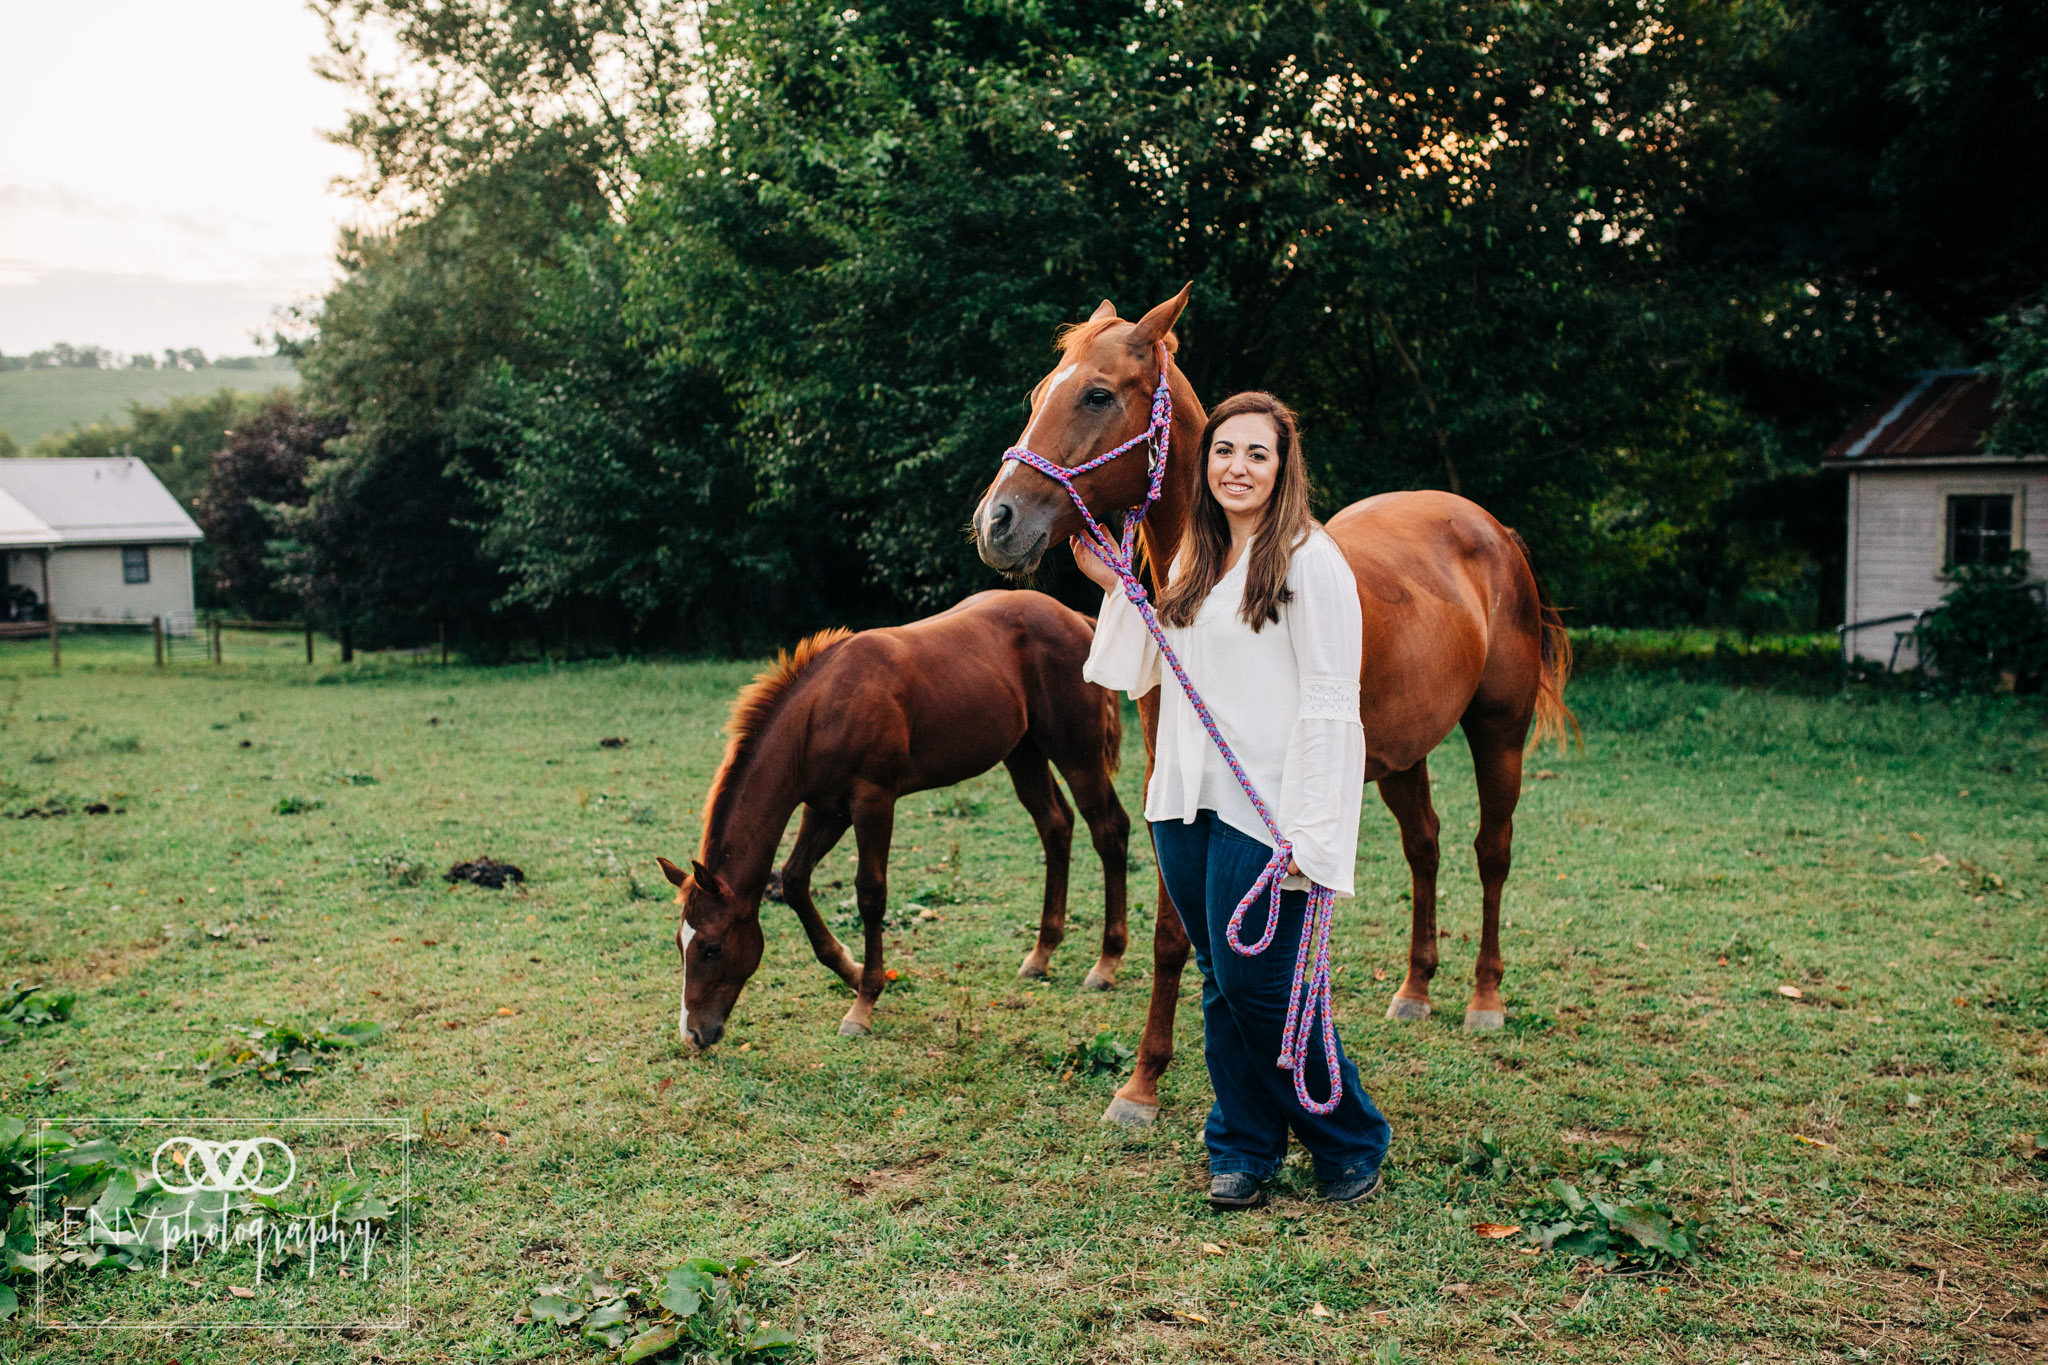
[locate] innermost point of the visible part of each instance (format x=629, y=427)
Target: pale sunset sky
x=163, y=178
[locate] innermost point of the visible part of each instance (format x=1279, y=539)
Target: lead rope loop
x=1308, y=999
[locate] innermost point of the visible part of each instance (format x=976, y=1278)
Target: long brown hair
x=1207, y=542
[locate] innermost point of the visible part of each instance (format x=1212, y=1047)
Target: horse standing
x=1457, y=633
x=847, y=725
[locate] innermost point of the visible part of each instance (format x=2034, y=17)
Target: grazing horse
x=1457, y=633
x=849, y=724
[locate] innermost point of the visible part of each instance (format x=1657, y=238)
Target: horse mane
x=751, y=710
x=1074, y=337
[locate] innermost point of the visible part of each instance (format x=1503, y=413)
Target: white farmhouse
x=94, y=540
x=1925, y=497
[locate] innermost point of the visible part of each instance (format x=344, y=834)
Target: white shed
x=1924, y=497
x=94, y=540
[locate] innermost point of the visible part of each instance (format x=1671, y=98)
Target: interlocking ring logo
x=221, y=1167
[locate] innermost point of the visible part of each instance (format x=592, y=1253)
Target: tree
x=262, y=468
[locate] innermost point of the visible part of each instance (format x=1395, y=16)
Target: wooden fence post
x=216, y=641
x=56, y=650
x=348, y=645
x=309, y=641
x=444, y=644
x=156, y=630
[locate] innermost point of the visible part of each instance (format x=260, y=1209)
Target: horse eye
x=1098, y=398
x=713, y=949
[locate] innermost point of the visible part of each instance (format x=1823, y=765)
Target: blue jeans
x=1208, y=866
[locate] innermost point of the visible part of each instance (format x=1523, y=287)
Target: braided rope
x=1308, y=998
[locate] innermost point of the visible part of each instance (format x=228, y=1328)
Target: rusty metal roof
x=1942, y=413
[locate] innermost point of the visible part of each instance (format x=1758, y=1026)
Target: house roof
x=1941, y=417
x=21, y=528
x=89, y=502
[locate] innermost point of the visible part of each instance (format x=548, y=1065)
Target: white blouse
x=1286, y=697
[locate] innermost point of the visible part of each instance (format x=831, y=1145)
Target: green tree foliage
x=263, y=466
x=721, y=315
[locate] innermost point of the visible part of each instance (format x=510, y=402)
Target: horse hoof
x=1485, y=1021
x=1027, y=972
x=1130, y=1113
x=1402, y=1007
x=1098, y=980
x=849, y=1029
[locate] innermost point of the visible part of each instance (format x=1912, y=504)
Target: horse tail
x=1554, y=720
x=1112, y=730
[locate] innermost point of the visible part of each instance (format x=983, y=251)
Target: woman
x=1263, y=611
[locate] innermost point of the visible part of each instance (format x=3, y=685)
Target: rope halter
x=1308, y=999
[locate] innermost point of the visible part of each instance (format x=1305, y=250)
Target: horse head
x=1098, y=397
x=719, y=938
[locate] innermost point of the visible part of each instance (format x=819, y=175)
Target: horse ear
x=1105, y=309
x=676, y=876
x=1153, y=327
x=707, y=880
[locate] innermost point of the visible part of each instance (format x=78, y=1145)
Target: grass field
x=34, y=403
x=941, y=1191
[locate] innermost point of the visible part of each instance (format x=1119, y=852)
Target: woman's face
x=1244, y=463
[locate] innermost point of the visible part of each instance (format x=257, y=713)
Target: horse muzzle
x=1008, y=539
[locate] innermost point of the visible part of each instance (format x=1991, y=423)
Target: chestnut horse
x=1457, y=633
x=849, y=724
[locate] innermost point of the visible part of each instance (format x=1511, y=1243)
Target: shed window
x=1979, y=528
x=135, y=564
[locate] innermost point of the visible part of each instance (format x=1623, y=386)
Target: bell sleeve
x=1324, y=785
x=1123, y=655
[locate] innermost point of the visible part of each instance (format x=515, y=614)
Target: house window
x=135, y=564
x=1979, y=528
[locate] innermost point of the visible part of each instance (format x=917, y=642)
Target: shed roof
x=1940, y=417
x=93, y=502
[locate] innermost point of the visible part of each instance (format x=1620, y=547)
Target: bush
x=1991, y=634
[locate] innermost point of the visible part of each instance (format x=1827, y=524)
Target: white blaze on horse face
x=683, y=1010
x=1044, y=402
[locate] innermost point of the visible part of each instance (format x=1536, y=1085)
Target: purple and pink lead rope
x=1309, y=997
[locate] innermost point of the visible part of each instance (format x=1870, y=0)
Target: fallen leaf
x=451, y=1023
x=1212, y=1249
x=1962, y=1000
x=1642, y=947
x=504, y=1013
x=503, y=1141
x=240, y=1292
x=891, y=973
x=1791, y=992
x=1379, y=973
x=930, y=1312
x=788, y=1261
x=1191, y=1317
x=1810, y=1142
x=1459, y=1290
x=1318, y=1311
x=666, y=1082
x=430, y=943
x=1496, y=1231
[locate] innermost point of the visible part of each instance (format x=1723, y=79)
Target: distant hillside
x=33, y=402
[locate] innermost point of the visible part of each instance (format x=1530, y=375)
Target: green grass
x=1857, y=1153
x=34, y=403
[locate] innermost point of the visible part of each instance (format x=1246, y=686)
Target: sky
x=163, y=178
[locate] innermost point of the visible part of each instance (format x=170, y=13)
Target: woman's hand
x=1293, y=867
x=1099, y=573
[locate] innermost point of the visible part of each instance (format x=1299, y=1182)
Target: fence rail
x=168, y=632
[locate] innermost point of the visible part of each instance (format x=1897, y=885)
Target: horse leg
x=874, y=823
x=1031, y=775
x=814, y=839
x=1497, y=762
x=1407, y=796
x=1110, y=831
x=1136, y=1103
